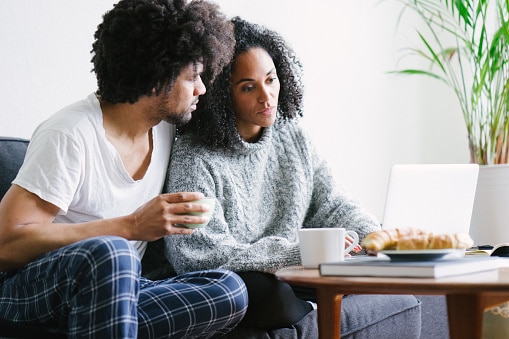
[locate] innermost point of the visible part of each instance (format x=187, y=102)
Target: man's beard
x=177, y=118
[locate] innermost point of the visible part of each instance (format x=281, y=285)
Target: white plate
x=421, y=255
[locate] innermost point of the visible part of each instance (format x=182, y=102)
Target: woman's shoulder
x=293, y=126
x=186, y=141
x=293, y=130
x=189, y=146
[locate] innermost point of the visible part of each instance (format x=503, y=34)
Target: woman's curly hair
x=142, y=45
x=213, y=122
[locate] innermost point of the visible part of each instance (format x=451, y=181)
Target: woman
x=245, y=147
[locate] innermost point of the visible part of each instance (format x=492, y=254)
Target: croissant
x=412, y=239
x=388, y=239
x=435, y=241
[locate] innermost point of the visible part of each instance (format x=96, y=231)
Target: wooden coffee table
x=468, y=296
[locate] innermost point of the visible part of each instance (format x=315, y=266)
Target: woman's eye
x=247, y=88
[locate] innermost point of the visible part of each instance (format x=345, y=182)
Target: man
x=78, y=216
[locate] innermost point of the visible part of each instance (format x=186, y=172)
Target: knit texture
x=266, y=191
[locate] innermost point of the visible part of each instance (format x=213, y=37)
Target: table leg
x=465, y=314
x=329, y=300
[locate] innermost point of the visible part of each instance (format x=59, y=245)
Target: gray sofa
x=428, y=316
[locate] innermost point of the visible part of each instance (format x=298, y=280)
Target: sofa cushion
x=362, y=316
x=380, y=316
x=435, y=322
x=12, y=154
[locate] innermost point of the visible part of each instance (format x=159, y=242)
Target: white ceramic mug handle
x=355, y=242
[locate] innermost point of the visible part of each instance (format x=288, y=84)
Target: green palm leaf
x=476, y=67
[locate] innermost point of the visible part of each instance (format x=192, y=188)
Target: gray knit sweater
x=265, y=192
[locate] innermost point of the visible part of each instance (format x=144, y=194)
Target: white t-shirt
x=72, y=165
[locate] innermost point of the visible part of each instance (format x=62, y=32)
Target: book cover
x=499, y=250
x=382, y=267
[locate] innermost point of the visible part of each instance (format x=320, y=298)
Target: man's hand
x=161, y=216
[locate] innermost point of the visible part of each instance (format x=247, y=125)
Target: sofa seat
x=426, y=315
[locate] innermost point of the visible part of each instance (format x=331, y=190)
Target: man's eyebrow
x=272, y=70
x=198, y=67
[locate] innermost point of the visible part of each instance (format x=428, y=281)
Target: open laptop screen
x=437, y=198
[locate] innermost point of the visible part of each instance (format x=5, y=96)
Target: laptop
x=436, y=198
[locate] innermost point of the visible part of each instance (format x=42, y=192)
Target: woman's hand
x=349, y=241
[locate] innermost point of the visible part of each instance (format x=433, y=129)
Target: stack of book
x=384, y=267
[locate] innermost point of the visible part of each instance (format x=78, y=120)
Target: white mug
x=211, y=202
x=319, y=245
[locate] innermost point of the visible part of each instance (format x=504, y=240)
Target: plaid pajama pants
x=93, y=289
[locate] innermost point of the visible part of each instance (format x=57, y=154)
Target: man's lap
x=204, y=302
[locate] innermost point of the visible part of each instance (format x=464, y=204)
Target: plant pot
x=496, y=322
x=490, y=216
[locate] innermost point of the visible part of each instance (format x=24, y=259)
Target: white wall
x=362, y=118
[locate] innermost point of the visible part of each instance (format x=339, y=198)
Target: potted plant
x=467, y=45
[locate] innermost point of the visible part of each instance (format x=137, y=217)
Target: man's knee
x=106, y=255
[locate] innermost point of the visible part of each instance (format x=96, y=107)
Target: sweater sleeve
x=215, y=245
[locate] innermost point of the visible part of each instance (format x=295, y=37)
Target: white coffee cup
x=319, y=245
x=211, y=202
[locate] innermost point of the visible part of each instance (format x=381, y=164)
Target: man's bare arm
x=27, y=229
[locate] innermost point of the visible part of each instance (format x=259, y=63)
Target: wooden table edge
x=330, y=293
